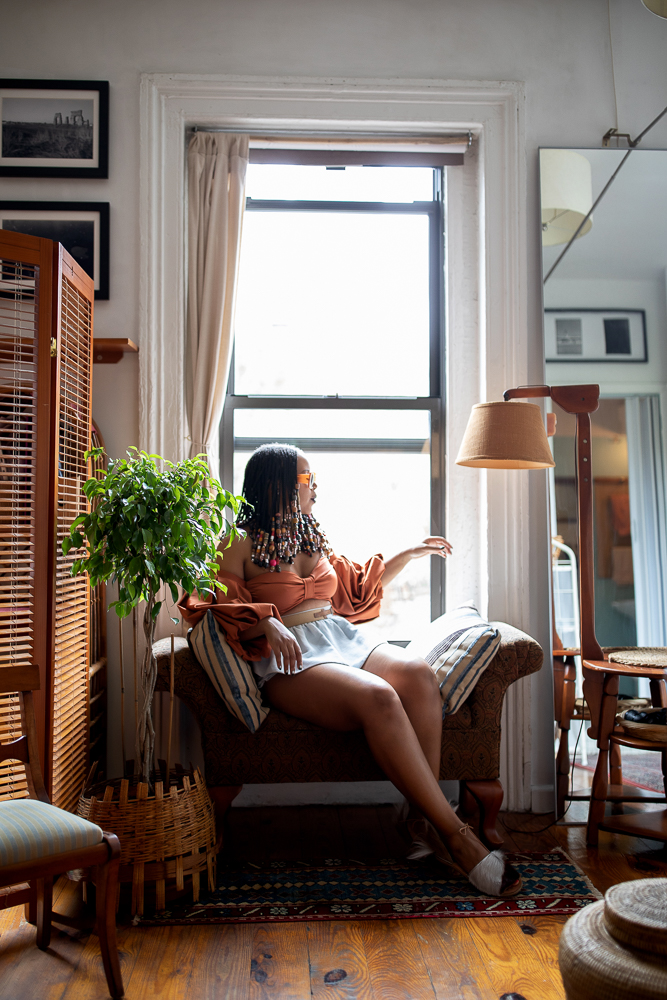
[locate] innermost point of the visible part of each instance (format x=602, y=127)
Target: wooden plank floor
x=429, y=959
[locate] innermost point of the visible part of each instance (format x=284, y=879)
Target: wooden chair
x=565, y=674
x=567, y=710
x=39, y=841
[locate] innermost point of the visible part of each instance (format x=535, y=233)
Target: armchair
x=286, y=749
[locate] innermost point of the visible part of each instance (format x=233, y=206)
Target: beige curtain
x=217, y=164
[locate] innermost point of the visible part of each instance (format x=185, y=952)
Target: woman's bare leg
x=415, y=684
x=344, y=699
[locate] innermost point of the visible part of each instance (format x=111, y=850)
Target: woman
x=289, y=608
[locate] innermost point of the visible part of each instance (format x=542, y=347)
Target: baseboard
x=543, y=798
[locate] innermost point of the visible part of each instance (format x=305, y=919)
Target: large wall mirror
x=605, y=321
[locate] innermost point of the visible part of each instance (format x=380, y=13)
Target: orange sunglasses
x=307, y=478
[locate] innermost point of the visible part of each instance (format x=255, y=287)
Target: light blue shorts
x=329, y=640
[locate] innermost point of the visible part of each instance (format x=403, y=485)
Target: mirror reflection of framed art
x=54, y=128
x=595, y=335
x=81, y=226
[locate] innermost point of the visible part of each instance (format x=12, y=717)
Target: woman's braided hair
x=271, y=512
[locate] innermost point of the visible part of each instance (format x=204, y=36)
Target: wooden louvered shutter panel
x=71, y=609
x=98, y=648
x=25, y=375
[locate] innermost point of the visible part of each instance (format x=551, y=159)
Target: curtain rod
x=340, y=136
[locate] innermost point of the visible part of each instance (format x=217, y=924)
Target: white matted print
x=595, y=335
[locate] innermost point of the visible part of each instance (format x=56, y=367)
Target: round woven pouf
x=615, y=949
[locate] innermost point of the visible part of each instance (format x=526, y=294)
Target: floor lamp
x=510, y=435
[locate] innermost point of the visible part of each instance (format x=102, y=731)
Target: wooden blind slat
x=18, y=429
x=72, y=596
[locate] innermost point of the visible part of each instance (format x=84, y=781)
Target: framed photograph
x=54, y=128
x=81, y=226
x=595, y=335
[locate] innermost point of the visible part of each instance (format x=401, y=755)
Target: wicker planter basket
x=162, y=836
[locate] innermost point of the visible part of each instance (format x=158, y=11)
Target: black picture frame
x=44, y=98
x=596, y=327
x=86, y=237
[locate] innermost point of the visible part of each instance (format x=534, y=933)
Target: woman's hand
x=285, y=647
x=434, y=545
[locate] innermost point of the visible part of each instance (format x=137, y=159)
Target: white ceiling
x=629, y=234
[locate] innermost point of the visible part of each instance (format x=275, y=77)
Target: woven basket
x=598, y=956
x=642, y=730
x=638, y=656
x=581, y=708
x=161, y=836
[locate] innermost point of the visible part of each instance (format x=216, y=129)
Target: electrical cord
x=613, y=73
x=553, y=822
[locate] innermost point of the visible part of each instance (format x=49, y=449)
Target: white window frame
x=502, y=554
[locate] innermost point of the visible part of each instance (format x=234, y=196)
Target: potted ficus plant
x=152, y=524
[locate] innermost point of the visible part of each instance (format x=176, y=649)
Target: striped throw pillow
x=231, y=676
x=459, y=646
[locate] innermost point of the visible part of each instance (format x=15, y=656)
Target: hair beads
x=287, y=537
x=277, y=536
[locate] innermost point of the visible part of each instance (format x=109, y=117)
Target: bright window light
x=333, y=304
x=267, y=182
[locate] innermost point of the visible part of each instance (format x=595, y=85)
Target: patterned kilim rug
x=387, y=890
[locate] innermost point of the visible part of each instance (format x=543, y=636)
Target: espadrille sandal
x=493, y=875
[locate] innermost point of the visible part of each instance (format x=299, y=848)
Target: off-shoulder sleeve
x=235, y=611
x=359, y=592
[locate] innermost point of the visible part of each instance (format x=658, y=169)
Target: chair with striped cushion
x=39, y=841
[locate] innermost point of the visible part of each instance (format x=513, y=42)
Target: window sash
x=434, y=403
x=435, y=212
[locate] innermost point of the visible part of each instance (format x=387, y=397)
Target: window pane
x=333, y=304
x=292, y=425
x=269, y=182
x=368, y=501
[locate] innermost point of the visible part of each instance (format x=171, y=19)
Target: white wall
x=614, y=378
x=560, y=50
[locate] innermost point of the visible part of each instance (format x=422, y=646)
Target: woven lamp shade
x=505, y=436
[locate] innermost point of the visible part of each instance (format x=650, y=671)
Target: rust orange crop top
x=355, y=593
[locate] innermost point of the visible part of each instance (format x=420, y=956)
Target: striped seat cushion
x=459, y=646
x=30, y=830
x=231, y=676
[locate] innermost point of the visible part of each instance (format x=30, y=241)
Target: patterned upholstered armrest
x=518, y=655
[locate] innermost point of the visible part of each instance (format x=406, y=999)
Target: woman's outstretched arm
x=434, y=545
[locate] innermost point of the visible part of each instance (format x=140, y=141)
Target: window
x=338, y=350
